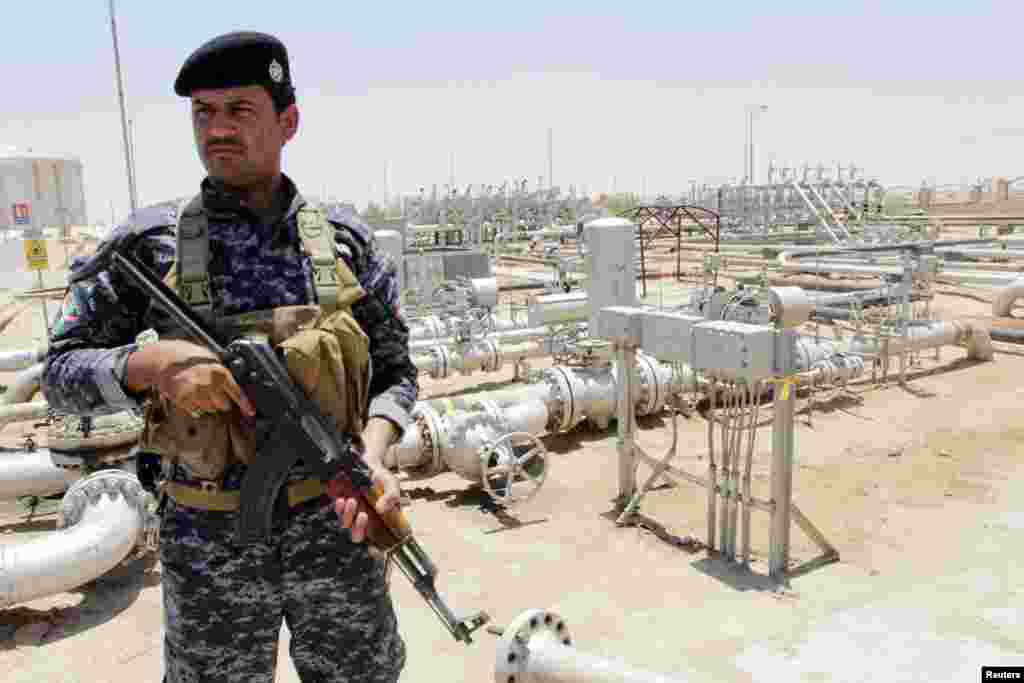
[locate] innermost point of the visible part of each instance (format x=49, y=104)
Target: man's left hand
x=377, y=437
x=351, y=512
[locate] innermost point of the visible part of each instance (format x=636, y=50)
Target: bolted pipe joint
x=536, y=648
x=103, y=518
x=90, y=490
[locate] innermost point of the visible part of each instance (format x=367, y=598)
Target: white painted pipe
x=536, y=648
x=1002, y=304
x=554, y=309
x=789, y=262
x=507, y=332
x=11, y=361
x=33, y=473
x=920, y=337
x=449, y=432
x=103, y=516
x=24, y=386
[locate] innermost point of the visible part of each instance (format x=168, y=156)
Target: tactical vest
x=325, y=349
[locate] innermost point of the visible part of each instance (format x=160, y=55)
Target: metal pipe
x=1002, y=304
x=24, y=386
x=566, y=397
x=103, y=517
x=12, y=361
x=536, y=647
x=929, y=336
x=504, y=335
x=32, y=474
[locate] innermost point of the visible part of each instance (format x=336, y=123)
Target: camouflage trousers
x=224, y=604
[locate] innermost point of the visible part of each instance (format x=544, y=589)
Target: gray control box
x=618, y=324
x=734, y=351
x=668, y=336
x=611, y=273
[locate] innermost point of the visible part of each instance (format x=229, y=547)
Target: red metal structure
x=670, y=219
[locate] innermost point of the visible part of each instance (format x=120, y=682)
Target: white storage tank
x=49, y=184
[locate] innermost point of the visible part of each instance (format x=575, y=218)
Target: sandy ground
x=917, y=486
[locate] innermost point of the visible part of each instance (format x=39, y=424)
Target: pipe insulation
x=24, y=473
x=103, y=516
x=536, y=647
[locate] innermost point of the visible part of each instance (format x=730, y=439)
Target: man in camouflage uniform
x=224, y=602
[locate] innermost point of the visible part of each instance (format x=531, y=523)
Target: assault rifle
x=299, y=430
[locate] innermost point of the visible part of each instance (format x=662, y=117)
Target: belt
x=228, y=501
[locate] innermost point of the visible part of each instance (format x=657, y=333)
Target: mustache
x=225, y=142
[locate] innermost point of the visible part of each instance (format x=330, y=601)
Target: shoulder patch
x=144, y=221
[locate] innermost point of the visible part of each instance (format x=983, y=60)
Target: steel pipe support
x=536, y=648
x=103, y=517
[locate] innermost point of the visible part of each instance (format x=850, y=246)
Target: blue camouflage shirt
x=253, y=266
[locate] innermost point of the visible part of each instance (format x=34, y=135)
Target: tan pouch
x=330, y=361
x=203, y=444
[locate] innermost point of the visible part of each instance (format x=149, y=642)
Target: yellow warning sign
x=35, y=255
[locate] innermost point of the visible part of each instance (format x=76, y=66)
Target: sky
x=638, y=95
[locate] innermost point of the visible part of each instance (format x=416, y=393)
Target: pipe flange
x=430, y=428
x=494, y=349
x=442, y=366
x=91, y=489
x=513, y=651
x=561, y=414
x=650, y=391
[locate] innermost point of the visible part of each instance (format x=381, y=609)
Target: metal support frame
x=728, y=485
x=625, y=357
x=669, y=218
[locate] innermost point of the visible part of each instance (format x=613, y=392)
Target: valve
x=519, y=459
x=475, y=325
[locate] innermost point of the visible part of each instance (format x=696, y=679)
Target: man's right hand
x=190, y=376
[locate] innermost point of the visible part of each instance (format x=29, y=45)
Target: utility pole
x=551, y=177
x=124, y=117
x=131, y=150
x=752, y=109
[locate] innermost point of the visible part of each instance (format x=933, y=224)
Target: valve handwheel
x=513, y=467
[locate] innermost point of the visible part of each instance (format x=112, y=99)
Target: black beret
x=238, y=59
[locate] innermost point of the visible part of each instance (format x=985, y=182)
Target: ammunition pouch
x=324, y=348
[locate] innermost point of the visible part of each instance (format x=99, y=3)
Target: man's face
x=238, y=134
